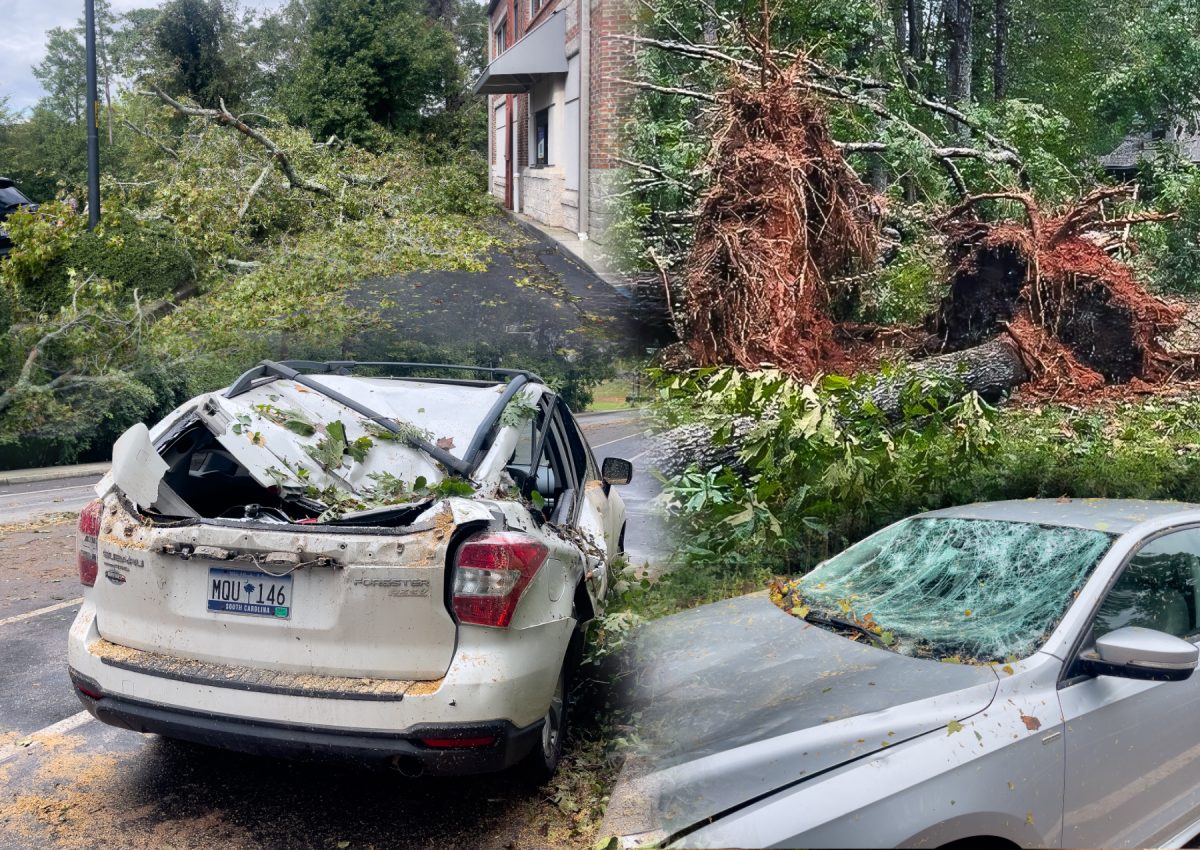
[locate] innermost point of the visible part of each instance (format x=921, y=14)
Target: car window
x=552, y=479
x=1157, y=589
x=580, y=456
x=526, y=435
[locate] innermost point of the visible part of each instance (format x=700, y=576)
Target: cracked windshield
x=965, y=589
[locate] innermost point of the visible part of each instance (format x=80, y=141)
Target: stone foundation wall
x=542, y=191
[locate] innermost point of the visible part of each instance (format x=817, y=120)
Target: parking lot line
x=29, y=615
x=62, y=727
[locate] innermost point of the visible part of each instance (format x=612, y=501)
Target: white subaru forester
x=318, y=562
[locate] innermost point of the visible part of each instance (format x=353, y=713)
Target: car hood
x=739, y=699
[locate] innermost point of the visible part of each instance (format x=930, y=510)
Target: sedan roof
x=1112, y=515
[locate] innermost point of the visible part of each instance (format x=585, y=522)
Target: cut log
x=992, y=370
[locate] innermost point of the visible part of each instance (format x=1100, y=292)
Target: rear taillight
x=491, y=571
x=89, y=533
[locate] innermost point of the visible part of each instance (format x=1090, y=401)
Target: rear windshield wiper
x=846, y=625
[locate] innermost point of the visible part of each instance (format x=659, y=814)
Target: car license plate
x=245, y=592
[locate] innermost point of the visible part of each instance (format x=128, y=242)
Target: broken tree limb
x=992, y=370
x=262, y=176
x=171, y=152
x=224, y=117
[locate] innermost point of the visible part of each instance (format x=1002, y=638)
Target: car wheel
x=539, y=766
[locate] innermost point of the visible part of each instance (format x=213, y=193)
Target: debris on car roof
x=282, y=446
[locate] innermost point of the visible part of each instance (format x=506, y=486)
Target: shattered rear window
x=955, y=588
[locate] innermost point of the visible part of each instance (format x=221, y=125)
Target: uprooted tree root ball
x=1075, y=313
x=785, y=213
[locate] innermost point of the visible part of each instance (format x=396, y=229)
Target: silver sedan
x=1008, y=673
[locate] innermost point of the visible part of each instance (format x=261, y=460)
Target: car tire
x=540, y=765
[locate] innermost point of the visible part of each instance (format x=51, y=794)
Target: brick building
x=555, y=107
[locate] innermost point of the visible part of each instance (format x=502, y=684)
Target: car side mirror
x=616, y=470
x=1133, y=652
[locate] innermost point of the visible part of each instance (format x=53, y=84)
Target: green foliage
x=1156, y=82
x=53, y=256
x=1170, y=251
x=199, y=51
x=1148, y=450
x=144, y=257
x=824, y=467
x=61, y=73
x=1049, y=143
x=372, y=66
x=908, y=286
x=40, y=240
x=1058, y=54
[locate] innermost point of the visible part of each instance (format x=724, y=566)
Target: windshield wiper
x=839, y=623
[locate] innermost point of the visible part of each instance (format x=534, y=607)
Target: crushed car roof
x=1112, y=515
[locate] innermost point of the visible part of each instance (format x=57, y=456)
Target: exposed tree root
x=1076, y=314
x=785, y=214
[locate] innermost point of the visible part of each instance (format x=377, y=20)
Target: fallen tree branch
x=174, y=154
x=224, y=117
x=24, y=380
x=991, y=370
x=262, y=176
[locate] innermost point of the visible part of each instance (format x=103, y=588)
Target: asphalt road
x=68, y=781
x=21, y=502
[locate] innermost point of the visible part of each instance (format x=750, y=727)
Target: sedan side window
x=1158, y=589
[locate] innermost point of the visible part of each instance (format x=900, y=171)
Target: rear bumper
x=499, y=683
x=403, y=750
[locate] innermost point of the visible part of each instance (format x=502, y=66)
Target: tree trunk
x=991, y=369
x=1000, y=50
x=959, y=53
x=916, y=30
x=897, y=7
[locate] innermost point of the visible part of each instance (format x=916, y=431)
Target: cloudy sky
x=23, y=39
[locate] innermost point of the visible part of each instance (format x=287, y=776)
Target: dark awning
x=539, y=52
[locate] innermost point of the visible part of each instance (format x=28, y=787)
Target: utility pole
x=93, y=122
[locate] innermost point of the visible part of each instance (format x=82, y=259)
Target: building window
x=501, y=38
x=534, y=6
x=541, y=136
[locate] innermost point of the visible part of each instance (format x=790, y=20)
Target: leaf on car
x=445, y=443
x=537, y=500
x=359, y=448
x=337, y=431
x=1031, y=723
x=1029, y=818
x=1007, y=668
x=953, y=726
x=299, y=426
x=800, y=611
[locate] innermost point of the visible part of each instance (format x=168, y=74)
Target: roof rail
x=292, y=370
x=269, y=369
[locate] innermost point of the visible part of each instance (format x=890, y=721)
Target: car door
x=601, y=511
x=1133, y=747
